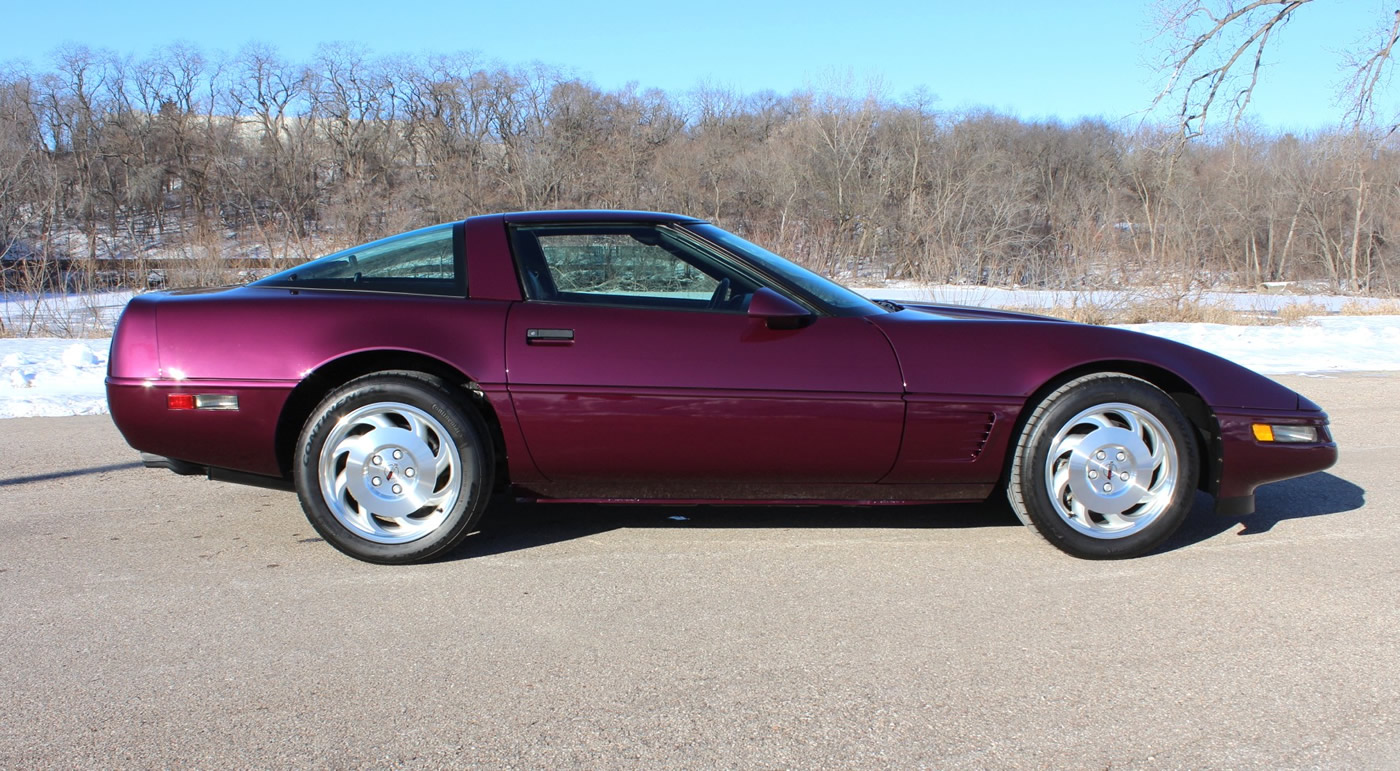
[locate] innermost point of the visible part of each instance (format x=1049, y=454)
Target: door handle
x=549, y=336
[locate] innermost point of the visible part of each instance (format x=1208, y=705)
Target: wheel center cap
x=378, y=466
x=1107, y=469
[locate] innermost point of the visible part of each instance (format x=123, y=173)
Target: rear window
x=420, y=262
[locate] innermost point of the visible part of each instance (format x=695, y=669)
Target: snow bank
x=47, y=377
x=1319, y=344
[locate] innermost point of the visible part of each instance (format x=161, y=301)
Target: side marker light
x=1285, y=434
x=180, y=401
x=201, y=401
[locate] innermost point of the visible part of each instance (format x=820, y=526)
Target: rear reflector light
x=216, y=402
x=201, y=401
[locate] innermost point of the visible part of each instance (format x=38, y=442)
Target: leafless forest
x=184, y=168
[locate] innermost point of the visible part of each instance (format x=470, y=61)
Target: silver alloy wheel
x=390, y=472
x=1111, y=470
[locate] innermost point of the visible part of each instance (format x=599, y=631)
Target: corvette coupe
x=623, y=356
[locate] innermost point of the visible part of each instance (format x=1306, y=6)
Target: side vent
x=986, y=434
x=956, y=436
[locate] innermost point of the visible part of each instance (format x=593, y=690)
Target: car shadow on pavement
x=508, y=527
x=25, y=480
x=513, y=527
x=1315, y=495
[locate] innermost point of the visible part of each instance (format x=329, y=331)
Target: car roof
x=594, y=215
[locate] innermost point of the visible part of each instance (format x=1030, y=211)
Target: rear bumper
x=1246, y=463
x=240, y=440
x=180, y=467
x=184, y=468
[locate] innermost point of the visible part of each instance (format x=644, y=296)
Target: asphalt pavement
x=153, y=620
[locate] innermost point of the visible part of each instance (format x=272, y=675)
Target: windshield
x=836, y=298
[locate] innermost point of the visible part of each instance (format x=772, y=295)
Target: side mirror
x=778, y=311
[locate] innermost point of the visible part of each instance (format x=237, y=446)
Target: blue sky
x=1044, y=59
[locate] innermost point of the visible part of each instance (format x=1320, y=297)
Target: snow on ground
x=42, y=377
x=1318, y=344
x=47, y=377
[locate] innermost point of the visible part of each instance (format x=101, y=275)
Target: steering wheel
x=721, y=294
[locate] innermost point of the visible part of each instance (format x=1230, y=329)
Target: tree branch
x=1368, y=74
x=1214, y=78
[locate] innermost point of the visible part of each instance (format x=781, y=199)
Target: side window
x=626, y=265
x=420, y=262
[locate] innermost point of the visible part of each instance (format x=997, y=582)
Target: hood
x=974, y=312
x=197, y=290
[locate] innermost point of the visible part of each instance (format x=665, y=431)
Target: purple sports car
x=633, y=356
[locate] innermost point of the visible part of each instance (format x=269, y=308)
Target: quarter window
x=420, y=262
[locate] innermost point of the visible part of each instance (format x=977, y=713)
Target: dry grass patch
x=1296, y=312
x=1080, y=312
x=1146, y=309
x=1384, y=308
x=1143, y=310
x=1186, y=310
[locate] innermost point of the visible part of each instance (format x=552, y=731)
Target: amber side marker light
x=201, y=401
x=1267, y=433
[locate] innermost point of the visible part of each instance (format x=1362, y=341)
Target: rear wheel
x=392, y=468
x=1105, y=467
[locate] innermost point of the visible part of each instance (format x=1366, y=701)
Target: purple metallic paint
x=767, y=304
x=276, y=334
x=689, y=436
x=1249, y=463
x=490, y=268
x=983, y=349
x=954, y=439
x=754, y=493
x=916, y=405
x=136, y=342
x=655, y=395
x=241, y=440
x=522, y=465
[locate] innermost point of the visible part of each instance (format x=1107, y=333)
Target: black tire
x=1080, y=480
x=370, y=437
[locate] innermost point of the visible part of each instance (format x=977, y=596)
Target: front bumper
x=1244, y=462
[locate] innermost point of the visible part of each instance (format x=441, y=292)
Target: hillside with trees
x=180, y=167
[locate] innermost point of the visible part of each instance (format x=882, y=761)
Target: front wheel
x=1105, y=468
x=392, y=468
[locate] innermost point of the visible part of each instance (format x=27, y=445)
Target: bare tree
x=1219, y=51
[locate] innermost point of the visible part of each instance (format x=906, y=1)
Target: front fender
x=1015, y=358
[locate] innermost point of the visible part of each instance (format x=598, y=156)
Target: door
x=635, y=359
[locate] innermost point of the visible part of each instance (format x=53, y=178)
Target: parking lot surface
x=154, y=620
